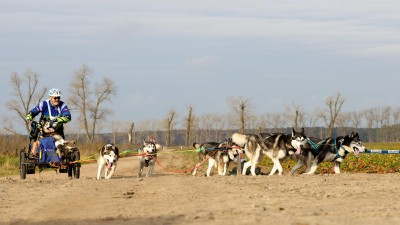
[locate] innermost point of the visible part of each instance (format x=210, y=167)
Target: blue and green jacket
x=59, y=113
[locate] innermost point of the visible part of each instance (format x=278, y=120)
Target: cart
x=66, y=161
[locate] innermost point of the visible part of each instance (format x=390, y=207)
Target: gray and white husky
x=219, y=155
x=276, y=146
x=336, y=150
x=147, y=158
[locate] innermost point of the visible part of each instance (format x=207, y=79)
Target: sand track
x=167, y=198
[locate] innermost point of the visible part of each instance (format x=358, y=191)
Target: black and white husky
x=335, y=150
x=276, y=146
x=147, y=158
x=219, y=155
x=108, y=158
x=308, y=153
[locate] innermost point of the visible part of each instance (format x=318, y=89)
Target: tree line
x=87, y=100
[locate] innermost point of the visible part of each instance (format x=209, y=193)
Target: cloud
x=311, y=24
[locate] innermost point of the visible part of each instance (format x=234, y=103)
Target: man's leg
x=35, y=145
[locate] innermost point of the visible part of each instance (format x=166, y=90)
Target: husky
x=276, y=146
x=147, y=158
x=308, y=153
x=108, y=158
x=219, y=155
x=337, y=149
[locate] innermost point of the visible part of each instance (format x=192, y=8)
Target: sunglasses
x=58, y=98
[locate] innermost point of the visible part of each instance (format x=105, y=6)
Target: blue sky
x=171, y=54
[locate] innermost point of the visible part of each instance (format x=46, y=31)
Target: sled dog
x=147, y=158
x=337, y=149
x=219, y=155
x=308, y=153
x=276, y=146
x=108, y=158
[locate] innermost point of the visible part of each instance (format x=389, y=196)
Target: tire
x=22, y=164
x=69, y=170
x=76, y=167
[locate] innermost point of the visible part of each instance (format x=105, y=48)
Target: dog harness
x=314, y=146
x=338, y=155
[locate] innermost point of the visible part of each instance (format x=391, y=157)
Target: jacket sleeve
x=65, y=116
x=34, y=112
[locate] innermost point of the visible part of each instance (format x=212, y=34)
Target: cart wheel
x=69, y=170
x=22, y=164
x=76, y=167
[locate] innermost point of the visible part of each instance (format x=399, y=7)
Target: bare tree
x=189, y=120
x=385, y=116
x=395, y=127
x=241, y=107
x=262, y=123
x=130, y=133
x=312, y=120
x=276, y=119
x=89, y=103
x=329, y=116
x=369, y=116
x=218, y=125
x=205, y=123
x=396, y=115
x=343, y=121
x=115, y=130
x=169, y=125
x=355, y=118
x=26, y=95
x=385, y=131
x=296, y=115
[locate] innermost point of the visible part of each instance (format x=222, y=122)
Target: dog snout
x=301, y=145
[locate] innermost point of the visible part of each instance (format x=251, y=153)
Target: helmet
x=54, y=92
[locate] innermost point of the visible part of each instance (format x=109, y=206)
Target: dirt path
x=168, y=198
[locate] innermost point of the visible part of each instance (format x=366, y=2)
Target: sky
x=174, y=53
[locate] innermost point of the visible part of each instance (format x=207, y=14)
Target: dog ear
x=293, y=131
x=302, y=131
x=196, y=145
x=103, y=148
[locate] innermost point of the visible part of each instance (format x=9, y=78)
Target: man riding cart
x=47, y=147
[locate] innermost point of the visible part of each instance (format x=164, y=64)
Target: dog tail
x=253, y=143
x=240, y=139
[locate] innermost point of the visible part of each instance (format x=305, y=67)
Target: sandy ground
x=168, y=198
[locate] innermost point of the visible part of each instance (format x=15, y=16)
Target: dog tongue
x=109, y=165
x=356, y=153
x=298, y=151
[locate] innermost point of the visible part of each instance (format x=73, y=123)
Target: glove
x=29, y=118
